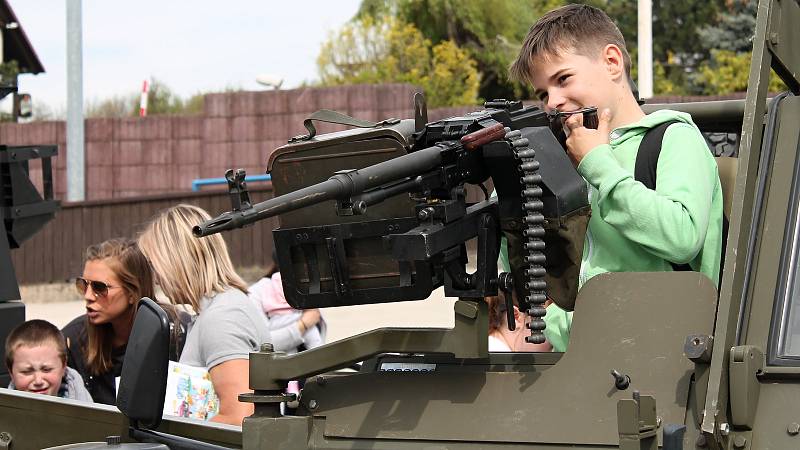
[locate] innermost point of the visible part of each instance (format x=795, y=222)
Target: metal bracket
x=337, y=261
x=237, y=189
x=698, y=349
x=746, y=362
x=420, y=111
x=269, y=371
x=637, y=423
x=5, y=440
x=786, y=57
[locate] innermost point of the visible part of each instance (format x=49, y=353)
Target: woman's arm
x=230, y=379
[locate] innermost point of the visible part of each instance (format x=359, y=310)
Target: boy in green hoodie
x=575, y=57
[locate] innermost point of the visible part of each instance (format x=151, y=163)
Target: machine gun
x=350, y=257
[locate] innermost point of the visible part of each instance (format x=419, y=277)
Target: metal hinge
x=746, y=363
x=637, y=423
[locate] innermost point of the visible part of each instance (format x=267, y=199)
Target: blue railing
x=209, y=181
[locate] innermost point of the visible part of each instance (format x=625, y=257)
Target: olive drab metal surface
x=306, y=162
x=488, y=404
x=656, y=360
x=303, y=163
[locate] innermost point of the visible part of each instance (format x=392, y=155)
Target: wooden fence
x=55, y=253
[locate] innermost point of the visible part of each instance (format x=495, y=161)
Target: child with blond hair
x=36, y=357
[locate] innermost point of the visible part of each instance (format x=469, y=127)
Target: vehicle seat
x=727, y=176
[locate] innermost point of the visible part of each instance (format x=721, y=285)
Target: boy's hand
x=583, y=140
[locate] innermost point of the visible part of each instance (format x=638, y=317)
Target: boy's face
x=569, y=81
x=38, y=369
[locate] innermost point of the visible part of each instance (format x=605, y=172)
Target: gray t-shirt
x=229, y=326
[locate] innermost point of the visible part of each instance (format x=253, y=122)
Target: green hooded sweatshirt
x=636, y=229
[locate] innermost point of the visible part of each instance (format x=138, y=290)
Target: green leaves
x=699, y=47
x=729, y=71
x=386, y=50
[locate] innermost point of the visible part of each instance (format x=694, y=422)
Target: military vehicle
x=656, y=359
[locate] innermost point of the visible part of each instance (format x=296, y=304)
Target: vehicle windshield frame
x=786, y=307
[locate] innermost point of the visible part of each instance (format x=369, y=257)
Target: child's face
x=569, y=81
x=38, y=369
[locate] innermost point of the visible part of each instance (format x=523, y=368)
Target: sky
x=191, y=46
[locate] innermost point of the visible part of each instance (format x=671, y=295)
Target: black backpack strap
x=647, y=157
x=647, y=162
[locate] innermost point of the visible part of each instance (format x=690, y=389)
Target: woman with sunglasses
x=228, y=325
x=115, y=276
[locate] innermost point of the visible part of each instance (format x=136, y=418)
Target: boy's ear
x=614, y=62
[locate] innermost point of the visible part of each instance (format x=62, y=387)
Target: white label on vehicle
x=407, y=367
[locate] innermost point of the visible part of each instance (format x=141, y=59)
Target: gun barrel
x=340, y=186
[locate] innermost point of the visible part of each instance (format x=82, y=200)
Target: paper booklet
x=190, y=392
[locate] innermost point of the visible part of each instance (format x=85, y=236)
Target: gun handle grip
x=483, y=136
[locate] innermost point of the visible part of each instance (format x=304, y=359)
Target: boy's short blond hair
x=584, y=29
x=34, y=333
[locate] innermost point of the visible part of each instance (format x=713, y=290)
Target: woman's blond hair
x=188, y=268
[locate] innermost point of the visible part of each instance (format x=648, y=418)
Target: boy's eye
x=563, y=78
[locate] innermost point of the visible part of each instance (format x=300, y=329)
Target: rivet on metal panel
x=739, y=441
x=793, y=429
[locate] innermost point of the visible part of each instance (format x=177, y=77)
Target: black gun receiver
x=349, y=257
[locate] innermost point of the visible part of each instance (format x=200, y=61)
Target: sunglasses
x=590, y=119
x=99, y=288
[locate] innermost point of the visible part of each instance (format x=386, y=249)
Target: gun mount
x=418, y=243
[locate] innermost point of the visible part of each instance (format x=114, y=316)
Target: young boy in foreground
x=36, y=357
x=575, y=57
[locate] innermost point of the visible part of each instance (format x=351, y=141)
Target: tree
x=8, y=76
x=161, y=100
x=729, y=41
x=8, y=72
x=379, y=50
x=490, y=31
x=678, y=50
x=734, y=29
x=124, y=105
